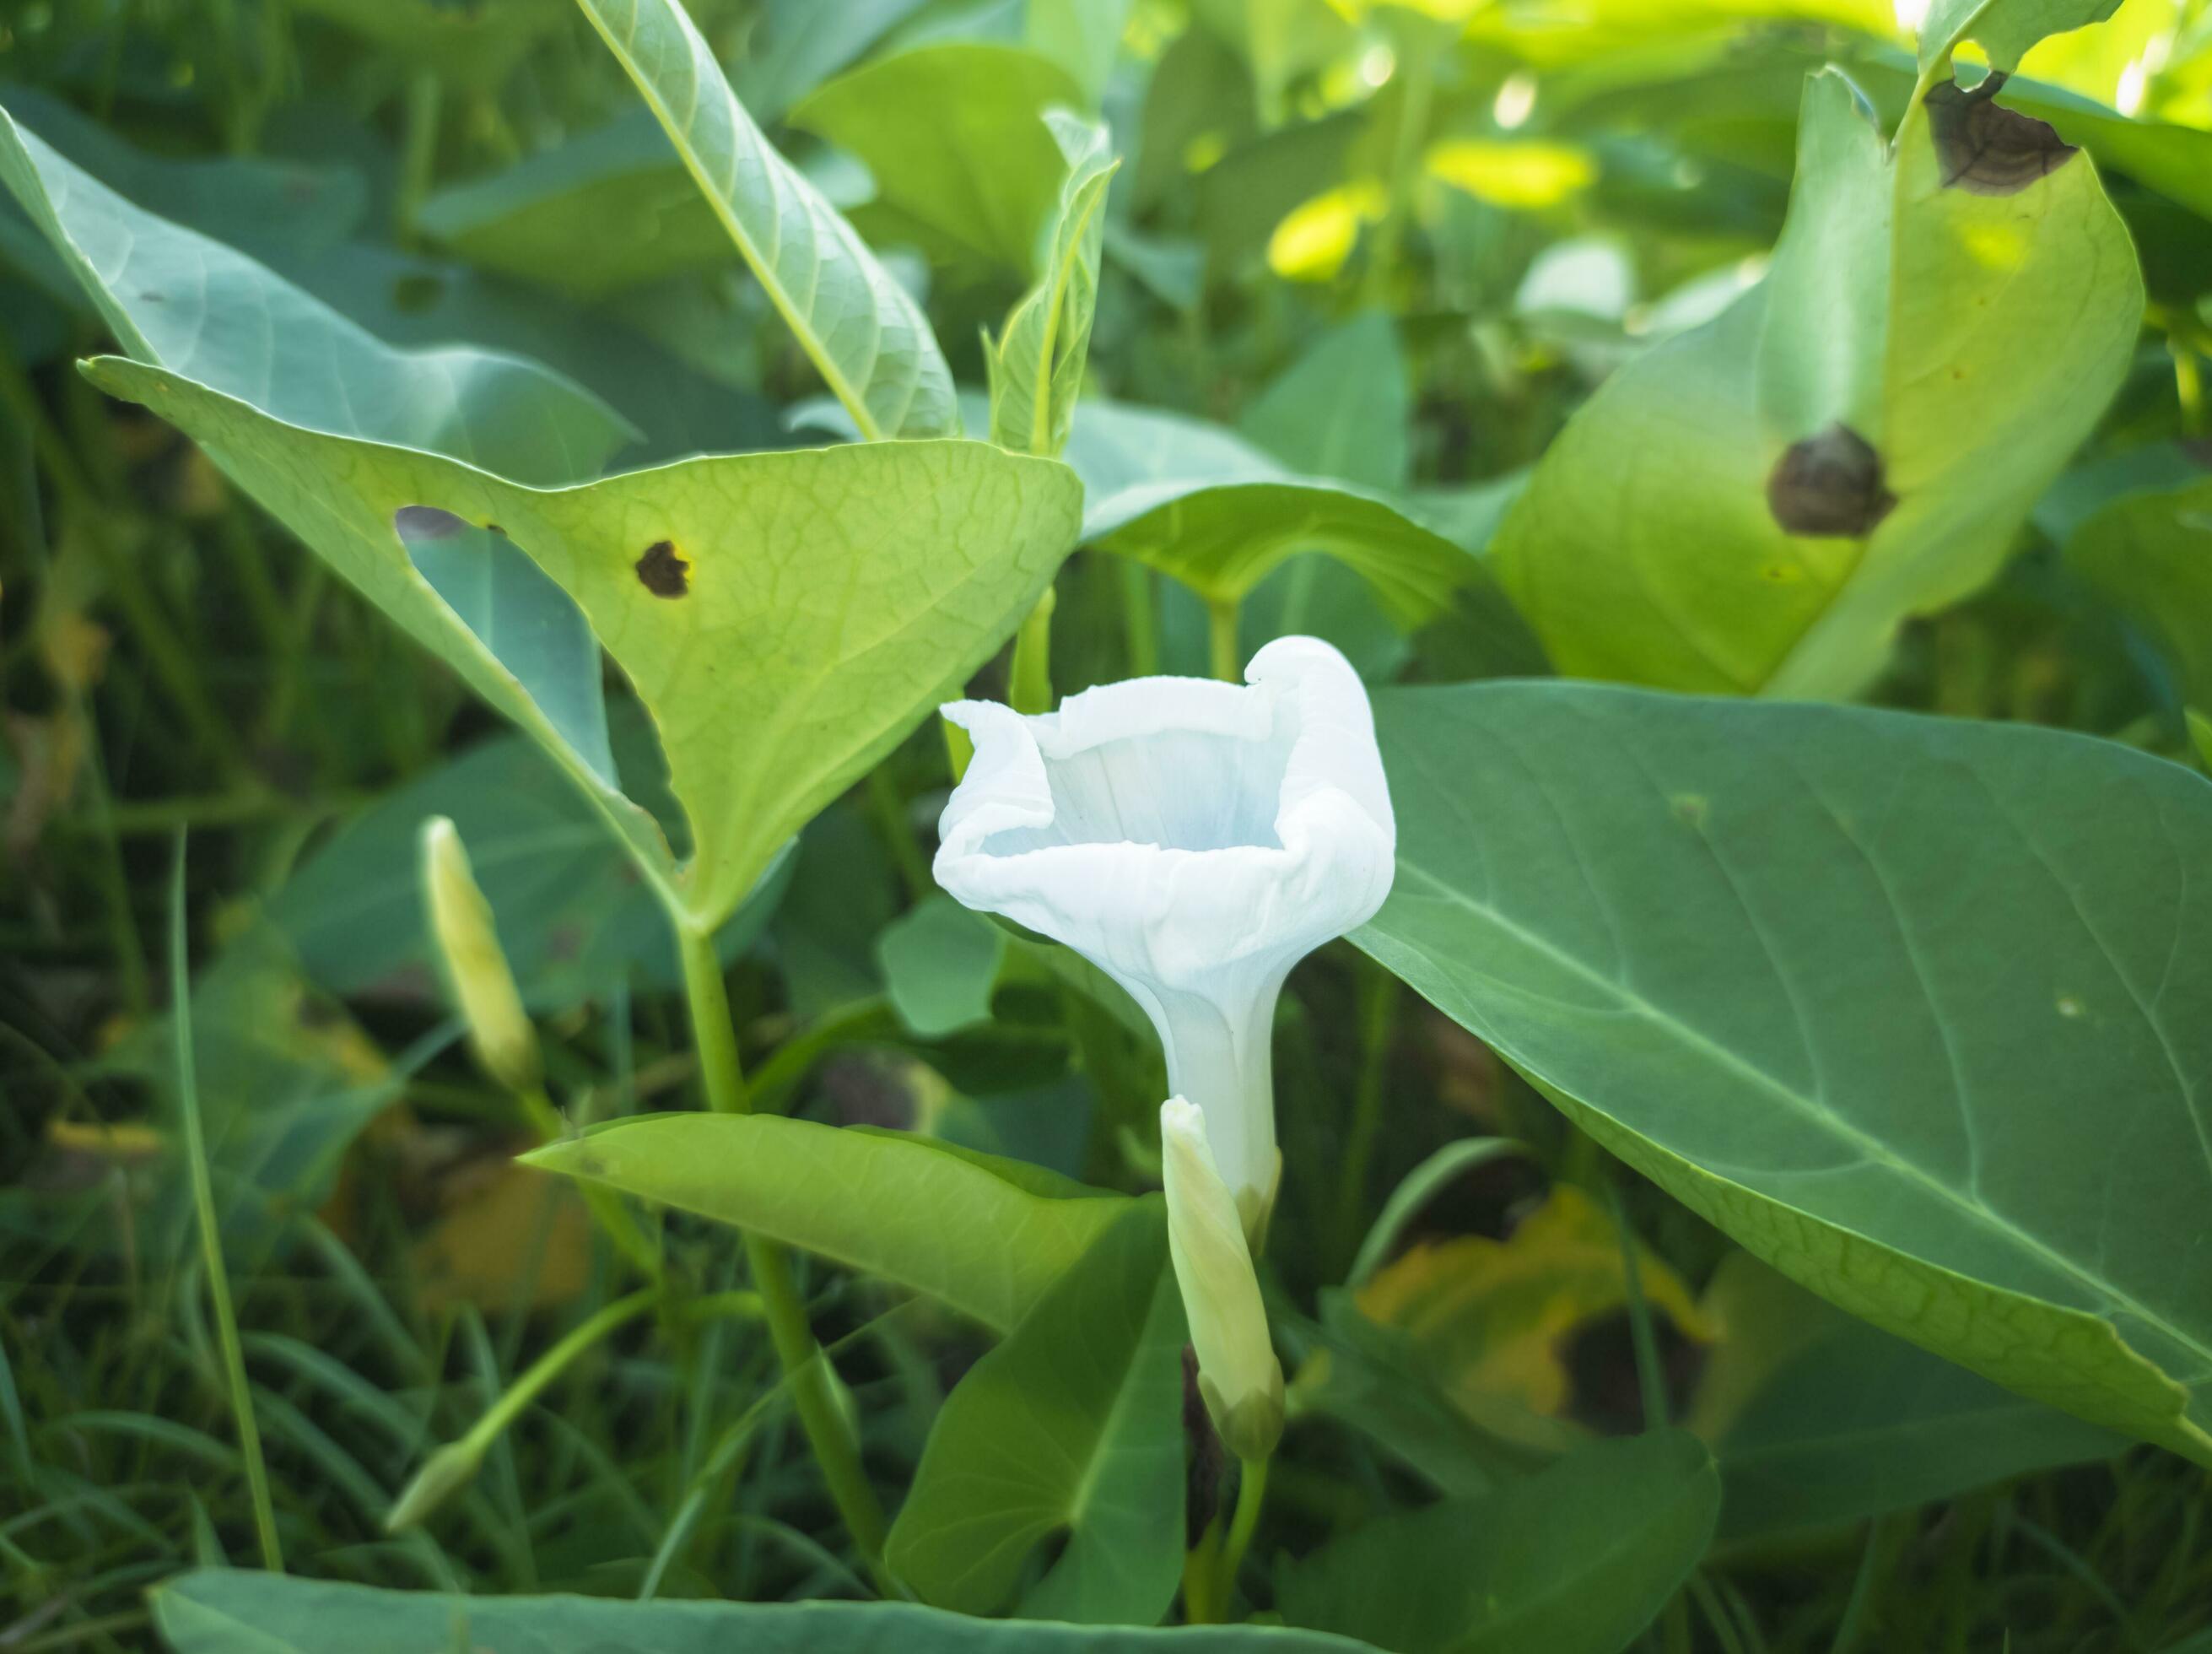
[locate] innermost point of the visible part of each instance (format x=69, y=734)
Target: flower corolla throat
x=1193, y=840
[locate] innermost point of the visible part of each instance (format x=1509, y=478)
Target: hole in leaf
x=1987, y=149
x=517, y=612
x=1829, y=484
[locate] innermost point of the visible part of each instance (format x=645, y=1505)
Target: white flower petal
x=1195, y=840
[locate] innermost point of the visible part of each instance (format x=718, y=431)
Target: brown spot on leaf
x=1829, y=484
x=1986, y=150
x=663, y=572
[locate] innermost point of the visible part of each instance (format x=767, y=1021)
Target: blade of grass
x=218, y=1282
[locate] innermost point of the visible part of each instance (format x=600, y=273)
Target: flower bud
x=1238, y=1375
x=476, y=971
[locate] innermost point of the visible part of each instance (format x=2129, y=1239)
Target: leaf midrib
x=1807, y=1108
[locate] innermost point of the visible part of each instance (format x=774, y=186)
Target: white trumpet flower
x=1238, y=1376
x=1195, y=840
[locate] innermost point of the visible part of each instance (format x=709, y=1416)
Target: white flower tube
x=1195, y=840
x=1238, y=1376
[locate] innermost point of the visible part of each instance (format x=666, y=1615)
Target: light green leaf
x=2151, y=554
x=219, y=1611
x=1574, y=1559
x=1036, y=366
x=1074, y=1425
x=940, y=963
x=806, y=42
x=955, y=136
x=951, y=1224
x=1198, y=502
x=1817, y=1420
x=785, y=617
x=864, y=333
x=1343, y=410
x=1084, y=37
x=2005, y=28
x=1908, y=1007
x=1754, y=506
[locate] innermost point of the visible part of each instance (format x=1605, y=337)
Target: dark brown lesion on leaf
x=1829, y=484
x=664, y=571
x=1985, y=149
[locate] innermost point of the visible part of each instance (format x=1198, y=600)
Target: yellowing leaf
x=504, y=1230
x=1489, y=1318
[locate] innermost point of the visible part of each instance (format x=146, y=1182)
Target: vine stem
x=805, y=1369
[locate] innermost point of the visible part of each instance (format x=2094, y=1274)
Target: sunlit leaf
x=863, y=583
x=1841, y=981
x=2005, y=28
x=1756, y=505
x=1037, y=365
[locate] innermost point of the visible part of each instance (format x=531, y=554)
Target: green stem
x=805, y=1369
x=1251, y=1494
x=1029, y=683
x=608, y=1318
x=714, y=1035
x=195, y=1160
x=1139, y=628
x=1221, y=639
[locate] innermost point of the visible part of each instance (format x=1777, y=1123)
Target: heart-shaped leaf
x=1911, y=1008
x=786, y=618
x=1072, y=1426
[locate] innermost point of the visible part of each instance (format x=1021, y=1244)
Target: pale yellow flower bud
x=476, y=971
x=1238, y=1375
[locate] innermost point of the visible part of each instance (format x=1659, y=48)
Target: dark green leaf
x=1574, y=1559
x=1907, y=1007
x=1072, y=1426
